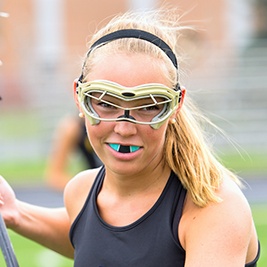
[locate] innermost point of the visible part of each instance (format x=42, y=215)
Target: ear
x=183, y=92
x=75, y=94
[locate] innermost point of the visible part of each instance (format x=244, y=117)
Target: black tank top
x=151, y=241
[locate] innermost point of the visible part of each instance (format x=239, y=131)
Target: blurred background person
x=70, y=137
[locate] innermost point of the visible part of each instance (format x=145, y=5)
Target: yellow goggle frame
x=170, y=98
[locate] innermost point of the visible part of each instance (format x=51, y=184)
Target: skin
x=134, y=182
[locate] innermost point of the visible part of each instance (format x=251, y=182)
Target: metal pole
x=6, y=246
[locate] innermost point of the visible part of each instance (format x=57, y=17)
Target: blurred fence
x=232, y=92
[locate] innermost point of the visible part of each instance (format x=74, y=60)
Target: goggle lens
x=149, y=104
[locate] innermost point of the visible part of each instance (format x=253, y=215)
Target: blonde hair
x=187, y=152
x=154, y=22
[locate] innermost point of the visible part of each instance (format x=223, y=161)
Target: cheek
x=157, y=137
x=93, y=133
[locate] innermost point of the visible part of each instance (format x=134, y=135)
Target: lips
x=124, y=149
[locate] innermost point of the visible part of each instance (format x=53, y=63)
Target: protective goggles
x=148, y=104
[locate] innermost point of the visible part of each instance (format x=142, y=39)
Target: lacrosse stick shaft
x=6, y=246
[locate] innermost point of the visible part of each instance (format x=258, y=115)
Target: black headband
x=139, y=34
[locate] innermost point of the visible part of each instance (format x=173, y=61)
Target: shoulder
x=221, y=231
x=77, y=190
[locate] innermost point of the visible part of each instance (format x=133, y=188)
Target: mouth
x=124, y=149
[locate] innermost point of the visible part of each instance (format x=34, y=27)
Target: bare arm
x=46, y=226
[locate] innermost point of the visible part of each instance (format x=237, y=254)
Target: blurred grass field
x=31, y=254
x=260, y=218
x=249, y=164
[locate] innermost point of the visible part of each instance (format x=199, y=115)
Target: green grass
x=32, y=171
x=260, y=217
x=249, y=162
x=19, y=123
x=30, y=254
x=23, y=171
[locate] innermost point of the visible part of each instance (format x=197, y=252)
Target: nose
x=125, y=128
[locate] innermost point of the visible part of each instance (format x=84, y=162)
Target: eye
x=105, y=105
x=150, y=108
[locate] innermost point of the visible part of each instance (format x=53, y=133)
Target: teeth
x=134, y=148
x=124, y=149
x=115, y=146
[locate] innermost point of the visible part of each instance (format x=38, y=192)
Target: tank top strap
x=96, y=184
x=178, y=205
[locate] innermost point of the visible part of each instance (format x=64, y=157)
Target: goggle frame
x=171, y=99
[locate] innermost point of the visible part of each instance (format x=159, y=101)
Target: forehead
x=128, y=69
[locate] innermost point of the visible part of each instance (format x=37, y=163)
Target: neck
x=126, y=185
